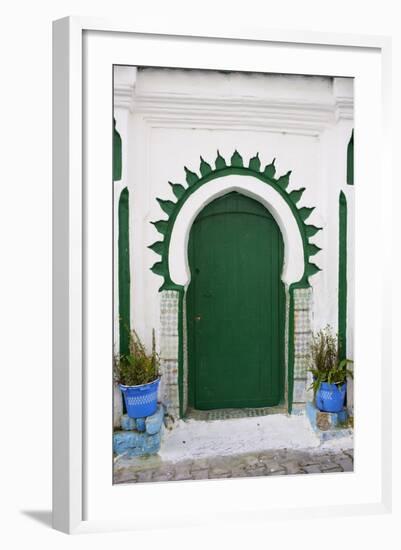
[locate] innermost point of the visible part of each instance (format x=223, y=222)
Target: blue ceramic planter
x=141, y=401
x=330, y=397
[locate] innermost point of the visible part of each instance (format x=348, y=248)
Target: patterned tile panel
x=169, y=350
x=302, y=343
x=169, y=347
x=302, y=298
x=301, y=364
x=185, y=357
x=299, y=395
x=169, y=313
x=302, y=320
x=169, y=372
x=302, y=336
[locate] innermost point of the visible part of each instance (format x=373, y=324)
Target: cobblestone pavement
x=270, y=463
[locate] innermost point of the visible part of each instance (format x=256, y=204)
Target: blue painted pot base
x=139, y=436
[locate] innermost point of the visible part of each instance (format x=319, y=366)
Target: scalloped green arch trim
x=173, y=208
x=222, y=169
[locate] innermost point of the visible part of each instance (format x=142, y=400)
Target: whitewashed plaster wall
x=168, y=118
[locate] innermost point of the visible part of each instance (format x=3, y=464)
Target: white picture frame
x=84, y=51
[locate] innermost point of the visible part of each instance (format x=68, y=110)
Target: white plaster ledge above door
x=284, y=102
x=124, y=86
x=284, y=115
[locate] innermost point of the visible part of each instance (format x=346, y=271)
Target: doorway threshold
x=227, y=414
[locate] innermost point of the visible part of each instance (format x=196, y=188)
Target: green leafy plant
x=137, y=367
x=325, y=363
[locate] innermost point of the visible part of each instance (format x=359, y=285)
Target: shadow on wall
x=41, y=516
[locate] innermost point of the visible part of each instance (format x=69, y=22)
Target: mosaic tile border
x=302, y=341
x=169, y=342
x=227, y=414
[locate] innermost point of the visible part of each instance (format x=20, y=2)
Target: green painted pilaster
x=342, y=277
x=117, y=154
x=350, y=160
x=124, y=278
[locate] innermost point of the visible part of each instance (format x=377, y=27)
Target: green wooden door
x=235, y=306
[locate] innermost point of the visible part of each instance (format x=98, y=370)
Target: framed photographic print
x=218, y=198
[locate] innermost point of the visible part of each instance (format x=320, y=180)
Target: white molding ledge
x=331, y=101
x=123, y=96
x=310, y=118
x=251, y=112
x=124, y=86
x=343, y=91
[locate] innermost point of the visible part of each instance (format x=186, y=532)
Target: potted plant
x=328, y=371
x=137, y=374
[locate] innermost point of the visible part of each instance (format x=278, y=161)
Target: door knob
x=197, y=318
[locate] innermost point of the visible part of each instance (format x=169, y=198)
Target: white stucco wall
x=168, y=118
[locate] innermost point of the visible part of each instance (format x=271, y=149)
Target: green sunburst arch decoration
x=207, y=173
